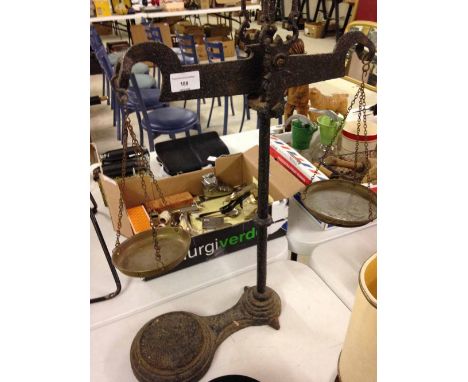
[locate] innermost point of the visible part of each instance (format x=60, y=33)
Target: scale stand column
x=263, y=219
x=179, y=346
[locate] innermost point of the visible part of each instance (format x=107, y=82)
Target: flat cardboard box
x=234, y=170
x=139, y=34
x=228, y=48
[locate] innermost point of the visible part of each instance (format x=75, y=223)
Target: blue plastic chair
x=188, y=51
x=215, y=53
x=165, y=120
x=150, y=93
x=96, y=42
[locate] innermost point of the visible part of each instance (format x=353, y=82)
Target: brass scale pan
x=136, y=256
x=341, y=203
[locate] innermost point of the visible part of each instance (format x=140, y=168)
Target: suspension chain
x=362, y=105
x=128, y=129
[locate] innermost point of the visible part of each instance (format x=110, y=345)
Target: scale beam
x=246, y=76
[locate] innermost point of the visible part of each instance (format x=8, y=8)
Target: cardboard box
x=228, y=48
x=138, y=33
x=233, y=170
x=205, y=4
x=213, y=30
x=313, y=30
x=201, y=52
x=183, y=27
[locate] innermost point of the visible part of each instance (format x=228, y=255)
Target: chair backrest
x=187, y=48
x=104, y=62
x=101, y=53
x=154, y=34
x=214, y=50
x=141, y=104
x=95, y=39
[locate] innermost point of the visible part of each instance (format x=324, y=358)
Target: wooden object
x=334, y=161
x=323, y=169
x=336, y=102
x=175, y=201
x=298, y=96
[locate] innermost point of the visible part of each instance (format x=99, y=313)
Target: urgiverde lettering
x=210, y=248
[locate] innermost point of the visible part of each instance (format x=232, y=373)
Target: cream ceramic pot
x=358, y=359
x=349, y=137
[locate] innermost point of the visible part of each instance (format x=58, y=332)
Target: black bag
x=189, y=153
x=112, y=162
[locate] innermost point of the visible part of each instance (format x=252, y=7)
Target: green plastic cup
x=328, y=129
x=301, y=135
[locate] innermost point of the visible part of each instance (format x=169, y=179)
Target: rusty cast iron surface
x=179, y=346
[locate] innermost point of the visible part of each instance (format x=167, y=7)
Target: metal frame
x=118, y=285
x=179, y=346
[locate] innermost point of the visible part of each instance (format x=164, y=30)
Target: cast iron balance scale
x=179, y=346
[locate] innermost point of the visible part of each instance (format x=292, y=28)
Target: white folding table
x=306, y=348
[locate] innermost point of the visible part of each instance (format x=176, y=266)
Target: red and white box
x=294, y=162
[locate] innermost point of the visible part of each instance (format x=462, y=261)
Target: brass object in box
x=135, y=256
x=341, y=203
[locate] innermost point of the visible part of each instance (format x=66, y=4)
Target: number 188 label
x=185, y=81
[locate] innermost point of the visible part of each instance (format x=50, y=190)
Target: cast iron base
x=179, y=346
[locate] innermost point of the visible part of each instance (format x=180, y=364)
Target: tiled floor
x=104, y=134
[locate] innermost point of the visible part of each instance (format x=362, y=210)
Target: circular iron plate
x=136, y=256
x=341, y=203
x=174, y=347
